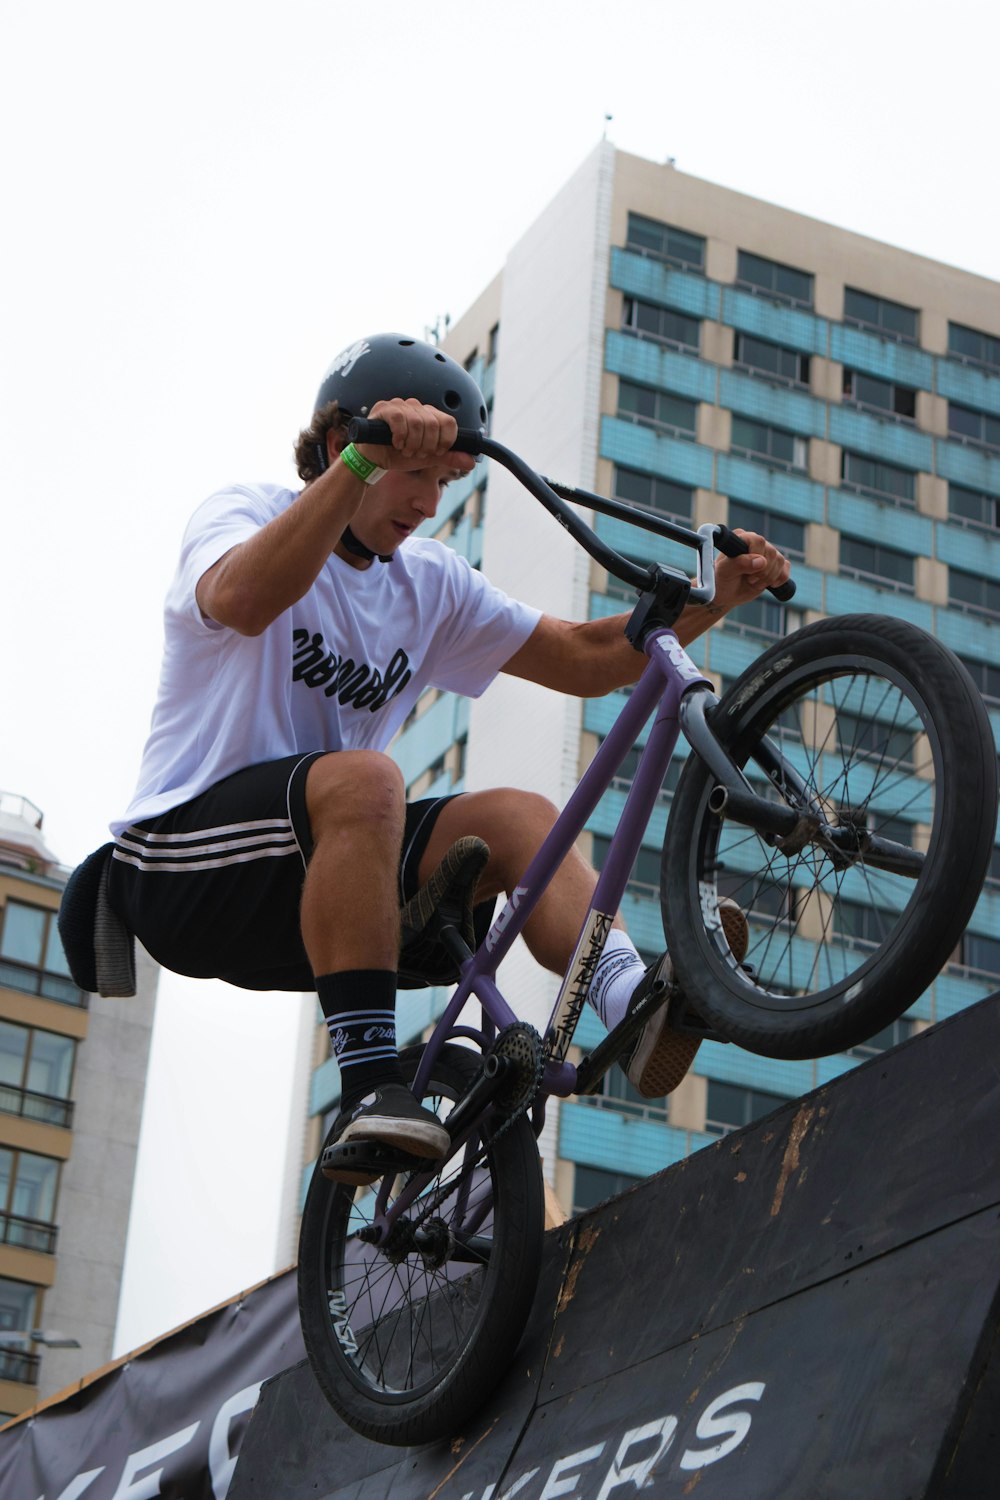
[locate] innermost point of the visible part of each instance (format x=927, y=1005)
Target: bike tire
x=890, y=733
x=401, y=1378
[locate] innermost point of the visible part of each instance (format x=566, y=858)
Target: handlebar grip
x=731, y=545
x=379, y=434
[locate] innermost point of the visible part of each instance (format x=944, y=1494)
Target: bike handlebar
x=706, y=541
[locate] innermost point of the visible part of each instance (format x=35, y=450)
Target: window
x=593, y=1186
x=31, y=954
x=493, y=343
x=18, y=1314
x=973, y=507
x=880, y=395
x=863, y=925
x=980, y=953
x=729, y=1106
x=665, y=242
x=758, y=440
x=649, y=320
x=973, y=592
x=889, y=1036
x=651, y=408
x=786, y=534
x=973, y=426
x=36, y=1069
x=764, y=617
x=876, y=564
x=759, y=357
x=769, y=277
x=891, y=319
x=985, y=676
x=866, y=738
x=653, y=493
x=874, y=477
x=993, y=873
x=28, y=1185
x=645, y=877
x=973, y=347
x=625, y=774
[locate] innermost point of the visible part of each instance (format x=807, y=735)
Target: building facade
x=72, y=1081
x=715, y=358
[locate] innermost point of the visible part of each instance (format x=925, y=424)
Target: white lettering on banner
x=147, y=1486
x=638, y=1474
x=560, y=1483
x=222, y=1463
x=76, y=1486
x=732, y=1427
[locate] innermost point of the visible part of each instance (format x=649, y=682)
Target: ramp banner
x=167, y=1421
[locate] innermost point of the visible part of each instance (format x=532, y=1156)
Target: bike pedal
x=358, y=1163
x=687, y=1022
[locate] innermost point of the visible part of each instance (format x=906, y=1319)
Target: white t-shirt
x=340, y=670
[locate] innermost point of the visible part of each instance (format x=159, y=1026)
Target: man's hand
x=738, y=580
x=421, y=435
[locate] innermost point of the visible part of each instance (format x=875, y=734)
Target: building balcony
x=19, y=1365
x=45, y=1108
x=32, y=981
x=28, y=1234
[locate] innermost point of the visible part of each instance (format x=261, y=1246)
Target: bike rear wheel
x=408, y=1339
x=891, y=743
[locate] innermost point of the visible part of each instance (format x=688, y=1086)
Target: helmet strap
x=355, y=545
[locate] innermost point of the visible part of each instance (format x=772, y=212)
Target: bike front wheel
x=408, y=1338
x=875, y=732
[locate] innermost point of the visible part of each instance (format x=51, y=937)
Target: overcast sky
x=202, y=203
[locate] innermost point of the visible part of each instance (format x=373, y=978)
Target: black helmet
x=390, y=364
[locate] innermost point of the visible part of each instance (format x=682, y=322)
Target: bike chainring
x=521, y=1046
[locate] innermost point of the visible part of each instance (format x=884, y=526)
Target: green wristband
x=363, y=467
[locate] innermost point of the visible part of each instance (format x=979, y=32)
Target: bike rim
x=861, y=737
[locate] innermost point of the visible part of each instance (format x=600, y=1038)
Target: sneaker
x=387, y=1117
x=662, y=1056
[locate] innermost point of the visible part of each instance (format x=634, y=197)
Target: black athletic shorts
x=213, y=888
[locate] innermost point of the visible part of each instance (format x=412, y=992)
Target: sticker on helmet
x=348, y=358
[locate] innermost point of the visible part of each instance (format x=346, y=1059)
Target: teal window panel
x=755, y=397
x=809, y=594
x=607, y=814
x=770, y=488
x=975, y=551
x=418, y=1009
x=488, y=382
x=732, y=654
x=879, y=437
x=643, y=922
x=781, y=325
x=892, y=525
x=652, y=364
x=426, y=738
x=633, y=541
x=620, y=1143
x=967, y=635
x=324, y=1086
x=968, y=386
x=850, y=596
x=589, y=1031
x=771, y=1075
x=968, y=466
x=641, y=276
x=829, y=1068
x=900, y=363
x=954, y=992
x=655, y=453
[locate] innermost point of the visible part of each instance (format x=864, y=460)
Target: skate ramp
x=807, y=1309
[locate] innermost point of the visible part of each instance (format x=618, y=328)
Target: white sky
x=201, y=204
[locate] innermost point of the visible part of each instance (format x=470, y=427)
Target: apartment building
x=72, y=1080
x=712, y=357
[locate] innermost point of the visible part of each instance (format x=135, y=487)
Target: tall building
x=715, y=358
x=72, y=1080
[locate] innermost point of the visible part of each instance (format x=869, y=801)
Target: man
x=269, y=842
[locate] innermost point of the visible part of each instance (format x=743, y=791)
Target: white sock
x=618, y=972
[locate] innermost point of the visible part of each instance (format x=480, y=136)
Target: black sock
x=360, y=1010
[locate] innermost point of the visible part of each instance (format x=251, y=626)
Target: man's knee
x=355, y=787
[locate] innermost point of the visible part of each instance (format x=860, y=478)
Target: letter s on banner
x=732, y=1427
x=221, y=1462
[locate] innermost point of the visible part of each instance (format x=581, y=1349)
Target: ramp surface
x=807, y=1309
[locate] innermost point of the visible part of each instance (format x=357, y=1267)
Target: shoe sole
x=413, y=1136
x=662, y=1059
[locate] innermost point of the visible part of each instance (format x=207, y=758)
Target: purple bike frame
x=668, y=675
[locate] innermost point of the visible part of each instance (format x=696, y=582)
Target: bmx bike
x=843, y=792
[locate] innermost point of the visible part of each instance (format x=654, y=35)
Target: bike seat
x=100, y=949
x=447, y=900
